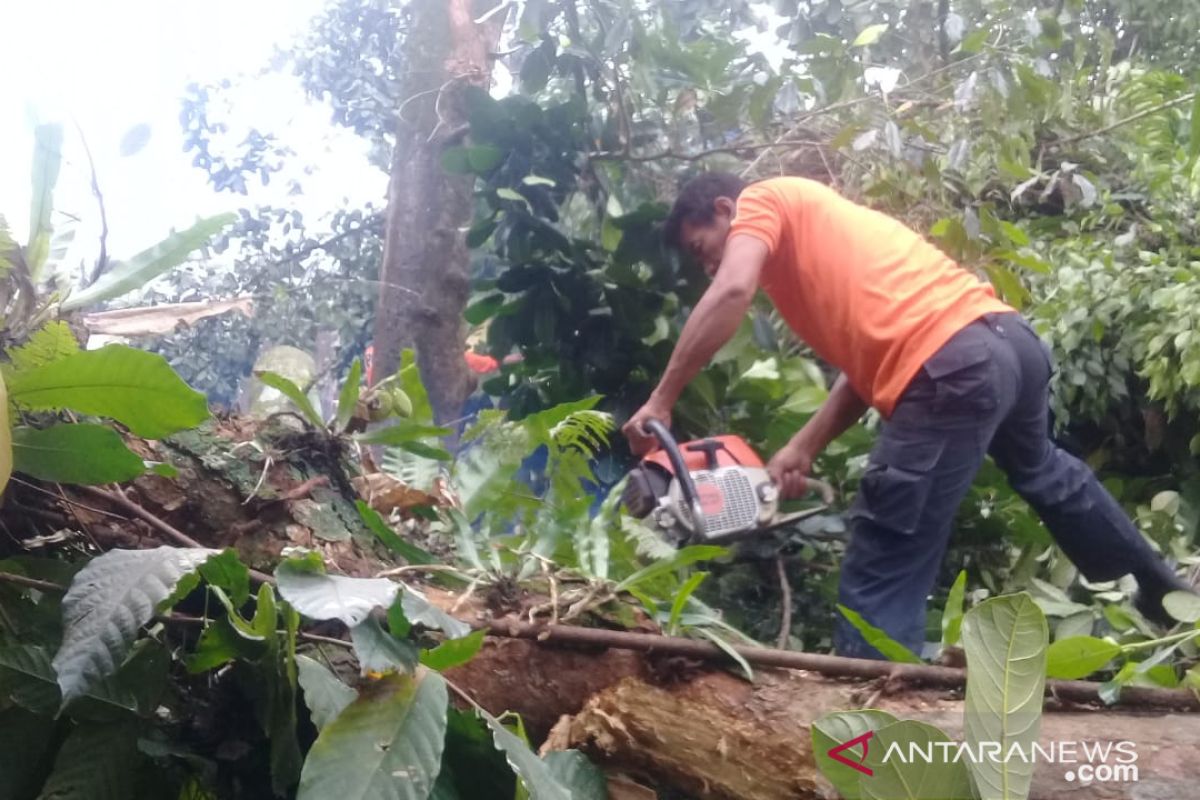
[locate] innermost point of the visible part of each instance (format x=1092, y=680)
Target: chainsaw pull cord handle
x=671, y=447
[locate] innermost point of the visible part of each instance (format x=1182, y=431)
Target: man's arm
x=840, y=410
x=711, y=324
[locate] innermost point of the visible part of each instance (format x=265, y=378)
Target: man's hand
x=789, y=467
x=641, y=441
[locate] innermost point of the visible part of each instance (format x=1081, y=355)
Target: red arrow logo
x=836, y=753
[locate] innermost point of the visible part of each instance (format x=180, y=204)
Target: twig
x=173, y=533
x=1131, y=118
x=102, y=259
x=863, y=669
x=616, y=155
x=785, y=589
x=32, y=583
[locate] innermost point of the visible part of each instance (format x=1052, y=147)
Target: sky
x=108, y=66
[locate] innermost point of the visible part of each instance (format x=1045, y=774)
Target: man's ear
x=725, y=206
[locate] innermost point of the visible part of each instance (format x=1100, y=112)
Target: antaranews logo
x=1085, y=761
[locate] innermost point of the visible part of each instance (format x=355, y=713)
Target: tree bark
x=424, y=285
x=709, y=734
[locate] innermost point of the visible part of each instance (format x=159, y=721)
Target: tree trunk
x=424, y=283
x=715, y=735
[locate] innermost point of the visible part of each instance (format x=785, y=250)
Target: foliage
x=1005, y=641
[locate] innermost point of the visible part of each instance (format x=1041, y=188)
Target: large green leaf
x=683, y=558
x=877, y=638
x=47, y=160
x=136, y=388
x=535, y=774
x=52, y=341
x=379, y=651
x=126, y=276
x=575, y=771
x=28, y=678
x=838, y=728
x=6, y=452
x=1079, y=656
x=324, y=693
x=1005, y=642
x=319, y=596
x=454, y=652
x=108, y=602
x=81, y=454
x=96, y=762
x=348, y=396
x=386, y=745
x=418, y=609
x=899, y=777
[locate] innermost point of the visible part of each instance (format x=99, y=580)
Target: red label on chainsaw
x=711, y=499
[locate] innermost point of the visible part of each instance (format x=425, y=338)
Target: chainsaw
x=711, y=491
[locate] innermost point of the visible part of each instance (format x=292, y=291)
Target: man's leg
x=919, y=470
x=1086, y=522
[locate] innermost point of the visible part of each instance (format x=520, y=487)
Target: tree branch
x=102, y=259
x=839, y=666
x=1131, y=118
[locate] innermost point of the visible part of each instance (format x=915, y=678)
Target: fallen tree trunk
x=665, y=721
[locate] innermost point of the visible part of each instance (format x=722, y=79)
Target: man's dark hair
x=695, y=202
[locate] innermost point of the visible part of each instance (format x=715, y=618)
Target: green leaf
x=324, y=693
x=913, y=779
x=47, y=160
x=27, y=677
x=720, y=642
x=386, y=745
x=891, y=649
x=870, y=35
x=136, y=388
x=96, y=762
x=319, y=596
x=410, y=381
x=80, y=454
x=376, y=525
x=838, y=728
x=379, y=651
x=575, y=771
x=348, y=397
x=219, y=644
x=477, y=235
x=1183, y=606
x=421, y=611
x=401, y=432
x=505, y=193
x=953, y=614
x=537, y=180
x=484, y=308
x=684, y=558
x=126, y=276
x=425, y=450
x=6, y=451
x=1079, y=656
x=483, y=158
x=227, y=572
x=52, y=341
x=454, y=652
x=108, y=602
x=974, y=41
x=1005, y=641
x=681, y=598
x=534, y=773
x=293, y=393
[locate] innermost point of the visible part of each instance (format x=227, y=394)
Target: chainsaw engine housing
x=735, y=493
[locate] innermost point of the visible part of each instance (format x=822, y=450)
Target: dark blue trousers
x=984, y=392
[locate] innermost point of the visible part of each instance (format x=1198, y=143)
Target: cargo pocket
x=895, y=488
x=962, y=373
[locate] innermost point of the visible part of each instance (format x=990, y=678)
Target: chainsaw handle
x=818, y=486
x=671, y=448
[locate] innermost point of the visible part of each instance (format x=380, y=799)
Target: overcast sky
x=111, y=65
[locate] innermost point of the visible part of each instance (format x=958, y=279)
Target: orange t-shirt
x=869, y=295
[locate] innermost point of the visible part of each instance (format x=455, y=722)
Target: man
x=955, y=373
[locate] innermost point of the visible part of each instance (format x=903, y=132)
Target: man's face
x=705, y=242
